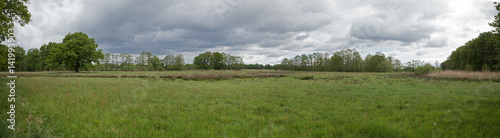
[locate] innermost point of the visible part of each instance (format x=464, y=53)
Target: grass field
x=259, y=104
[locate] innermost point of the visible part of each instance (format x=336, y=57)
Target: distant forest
x=50, y=58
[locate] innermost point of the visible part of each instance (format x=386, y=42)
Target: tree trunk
x=77, y=67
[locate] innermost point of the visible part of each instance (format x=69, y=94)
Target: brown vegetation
x=219, y=76
x=465, y=75
x=86, y=76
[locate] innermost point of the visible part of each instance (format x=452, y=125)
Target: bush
x=424, y=70
x=485, y=68
x=468, y=67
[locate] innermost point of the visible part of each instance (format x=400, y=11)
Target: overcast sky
x=263, y=31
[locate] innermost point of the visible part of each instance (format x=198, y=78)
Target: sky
x=263, y=31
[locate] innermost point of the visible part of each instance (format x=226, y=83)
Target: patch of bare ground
x=220, y=76
x=86, y=76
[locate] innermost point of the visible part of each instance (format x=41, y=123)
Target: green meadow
x=250, y=103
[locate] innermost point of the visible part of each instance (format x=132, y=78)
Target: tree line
x=76, y=52
x=347, y=60
x=79, y=52
x=145, y=61
x=479, y=54
x=218, y=61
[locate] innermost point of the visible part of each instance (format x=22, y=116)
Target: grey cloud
x=406, y=21
x=301, y=37
x=440, y=42
x=276, y=28
x=487, y=9
x=196, y=27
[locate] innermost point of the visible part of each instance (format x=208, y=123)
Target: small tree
x=485, y=68
x=468, y=67
x=424, y=70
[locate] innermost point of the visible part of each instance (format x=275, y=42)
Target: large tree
x=76, y=52
x=203, y=61
x=3, y=61
x=219, y=61
x=34, y=60
x=13, y=11
x=44, y=54
x=20, y=58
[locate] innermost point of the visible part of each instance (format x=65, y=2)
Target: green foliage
x=77, y=51
x=13, y=11
x=218, y=61
x=3, y=61
x=172, y=62
x=377, y=63
x=129, y=67
x=257, y=66
x=346, y=60
x=485, y=68
x=424, y=70
x=155, y=63
x=203, y=61
x=44, y=54
x=190, y=67
x=336, y=63
x=468, y=67
x=20, y=54
x=34, y=60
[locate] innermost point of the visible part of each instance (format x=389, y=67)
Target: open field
x=251, y=104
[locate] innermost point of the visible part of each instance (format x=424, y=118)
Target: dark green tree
x=3, y=60
x=34, y=60
x=203, y=61
x=20, y=58
x=76, y=52
x=219, y=61
x=44, y=54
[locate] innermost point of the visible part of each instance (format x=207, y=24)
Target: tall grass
x=466, y=75
x=327, y=105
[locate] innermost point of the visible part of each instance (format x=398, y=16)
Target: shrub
x=468, y=67
x=485, y=68
x=424, y=70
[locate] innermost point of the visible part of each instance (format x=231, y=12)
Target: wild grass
x=466, y=75
x=328, y=105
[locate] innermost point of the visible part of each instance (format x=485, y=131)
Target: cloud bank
x=262, y=31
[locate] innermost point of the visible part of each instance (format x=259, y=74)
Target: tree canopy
x=13, y=11
x=218, y=61
x=76, y=52
x=345, y=60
